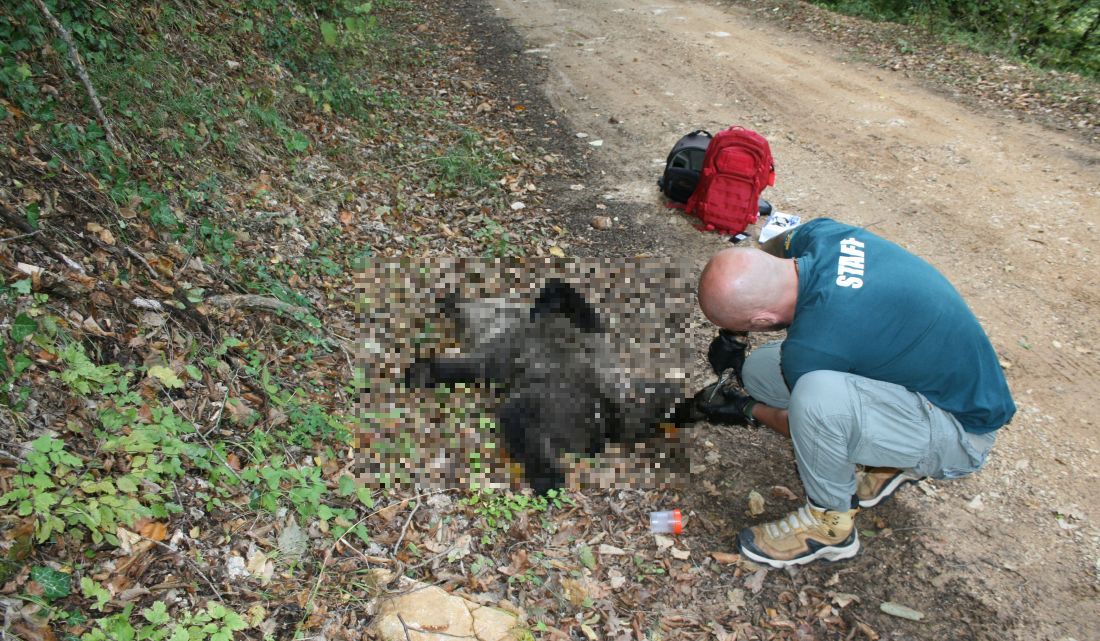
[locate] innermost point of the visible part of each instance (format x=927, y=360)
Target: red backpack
x=737, y=167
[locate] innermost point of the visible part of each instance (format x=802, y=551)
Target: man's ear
x=764, y=322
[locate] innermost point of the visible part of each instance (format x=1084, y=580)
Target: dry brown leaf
x=575, y=591
x=756, y=581
x=783, y=492
x=152, y=530
x=726, y=558
x=867, y=631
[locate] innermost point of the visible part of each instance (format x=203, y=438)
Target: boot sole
x=827, y=553
x=891, y=487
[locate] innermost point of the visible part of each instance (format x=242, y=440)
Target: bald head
x=745, y=289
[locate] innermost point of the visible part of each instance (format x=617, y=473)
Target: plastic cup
x=668, y=522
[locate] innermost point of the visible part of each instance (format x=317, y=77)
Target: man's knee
x=821, y=399
x=763, y=377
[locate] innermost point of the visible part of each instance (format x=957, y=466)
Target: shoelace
x=803, y=519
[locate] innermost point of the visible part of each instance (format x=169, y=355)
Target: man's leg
x=763, y=377
x=838, y=420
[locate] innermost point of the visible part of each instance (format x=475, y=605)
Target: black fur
x=552, y=365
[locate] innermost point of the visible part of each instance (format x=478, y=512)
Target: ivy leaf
x=328, y=32
x=166, y=376
x=22, y=286
x=22, y=327
x=55, y=585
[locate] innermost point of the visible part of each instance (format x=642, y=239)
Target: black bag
x=684, y=165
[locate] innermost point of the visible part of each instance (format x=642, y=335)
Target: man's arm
x=775, y=418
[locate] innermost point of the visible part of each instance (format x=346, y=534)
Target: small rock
x=756, y=503
x=516, y=206
x=602, y=223
x=582, y=135
x=596, y=143
x=232, y=64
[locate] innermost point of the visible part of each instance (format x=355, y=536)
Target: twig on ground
x=404, y=626
x=217, y=593
x=405, y=529
x=253, y=301
x=74, y=58
x=22, y=225
x=28, y=235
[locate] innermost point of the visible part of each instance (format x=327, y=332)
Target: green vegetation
x=1056, y=34
x=499, y=510
x=246, y=148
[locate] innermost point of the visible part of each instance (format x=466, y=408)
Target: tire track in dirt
x=1008, y=210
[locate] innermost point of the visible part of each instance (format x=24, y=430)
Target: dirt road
x=1008, y=210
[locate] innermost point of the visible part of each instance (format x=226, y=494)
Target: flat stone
x=430, y=614
x=491, y=624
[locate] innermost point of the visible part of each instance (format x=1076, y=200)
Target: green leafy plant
x=213, y=623
x=499, y=510
x=81, y=374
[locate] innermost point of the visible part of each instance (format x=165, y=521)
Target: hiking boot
x=802, y=536
x=874, y=484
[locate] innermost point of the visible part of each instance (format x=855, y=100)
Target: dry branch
x=253, y=301
x=74, y=58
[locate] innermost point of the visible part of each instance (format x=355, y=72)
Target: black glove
x=726, y=351
x=727, y=406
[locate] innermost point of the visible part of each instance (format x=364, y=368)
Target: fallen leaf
x=292, y=540
x=735, y=599
x=556, y=251
x=663, y=542
x=104, y=234
x=756, y=581
x=682, y=555
x=610, y=550
x=783, y=492
x=575, y=591
x=843, y=599
x=587, y=559
x=867, y=631
x=166, y=376
x=616, y=578
x=152, y=530
x=899, y=610
x=726, y=558
x=260, y=567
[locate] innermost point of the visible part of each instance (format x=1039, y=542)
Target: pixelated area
x=589, y=380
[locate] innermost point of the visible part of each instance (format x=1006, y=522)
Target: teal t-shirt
x=868, y=307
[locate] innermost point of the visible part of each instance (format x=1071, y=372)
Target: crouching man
x=883, y=366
